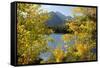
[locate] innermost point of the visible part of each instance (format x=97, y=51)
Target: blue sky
x=66, y=10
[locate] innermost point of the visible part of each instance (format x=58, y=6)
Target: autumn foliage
x=32, y=35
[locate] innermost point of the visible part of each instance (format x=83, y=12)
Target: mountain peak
x=56, y=19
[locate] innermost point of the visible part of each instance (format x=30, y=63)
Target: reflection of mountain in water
x=57, y=22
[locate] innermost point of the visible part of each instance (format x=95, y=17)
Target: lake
x=58, y=42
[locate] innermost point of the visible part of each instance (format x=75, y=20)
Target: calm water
x=58, y=42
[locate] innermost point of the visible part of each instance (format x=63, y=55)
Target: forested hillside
x=37, y=43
